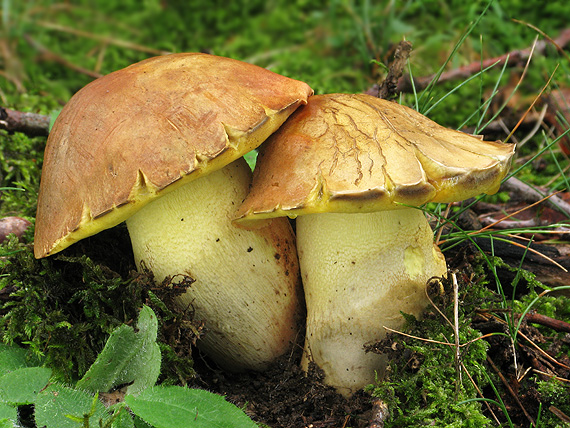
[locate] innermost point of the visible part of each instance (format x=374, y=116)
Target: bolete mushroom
x=160, y=144
x=351, y=169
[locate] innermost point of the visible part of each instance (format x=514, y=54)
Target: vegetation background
x=50, y=49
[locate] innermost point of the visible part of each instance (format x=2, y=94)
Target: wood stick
x=532, y=194
x=508, y=386
x=511, y=59
x=380, y=413
x=31, y=124
x=101, y=38
x=49, y=55
x=561, y=415
x=555, y=324
x=389, y=87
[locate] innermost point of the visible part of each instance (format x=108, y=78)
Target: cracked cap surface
x=358, y=153
x=139, y=132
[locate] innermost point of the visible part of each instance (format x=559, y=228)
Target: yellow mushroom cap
x=131, y=136
x=358, y=153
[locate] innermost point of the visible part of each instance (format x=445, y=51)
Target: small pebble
x=15, y=225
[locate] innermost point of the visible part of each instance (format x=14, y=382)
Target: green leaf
x=23, y=385
x=251, y=159
x=52, y=117
x=8, y=413
x=128, y=357
x=56, y=403
x=123, y=420
x=139, y=423
x=7, y=423
x=178, y=407
x=143, y=370
x=11, y=358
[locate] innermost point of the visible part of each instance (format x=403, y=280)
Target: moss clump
x=63, y=308
x=425, y=384
x=20, y=163
x=553, y=393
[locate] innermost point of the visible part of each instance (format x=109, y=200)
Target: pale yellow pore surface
x=246, y=282
x=359, y=271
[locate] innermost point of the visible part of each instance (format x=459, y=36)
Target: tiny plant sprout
x=351, y=169
x=159, y=145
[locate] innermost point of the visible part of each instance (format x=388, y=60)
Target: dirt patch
x=284, y=397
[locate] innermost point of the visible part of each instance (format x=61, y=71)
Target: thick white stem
x=359, y=271
x=246, y=287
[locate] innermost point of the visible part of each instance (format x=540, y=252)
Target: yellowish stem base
x=359, y=271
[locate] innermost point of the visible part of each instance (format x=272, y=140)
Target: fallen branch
x=31, y=124
x=561, y=415
x=380, y=413
x=489, y=316
x=514, y=224
x=510, y=390
x=101, y=38
x=389, y=87
x=532, y=194
x=511, y=59
x=52, y=56
x=554, y=324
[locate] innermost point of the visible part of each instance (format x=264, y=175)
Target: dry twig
x=511, y=59
x=49, y=55
x=554, y=324
x=561, y=415
x=389, y=87
x=508, y=387
x=533, y=195
x=107, y=40
x=456, y=331
x=31, y=124
x=380, y=414
x=547, y=356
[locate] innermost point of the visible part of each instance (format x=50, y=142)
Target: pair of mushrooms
x=160, y=144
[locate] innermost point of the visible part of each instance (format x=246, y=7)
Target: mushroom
x=160, y=144
x=351, y=169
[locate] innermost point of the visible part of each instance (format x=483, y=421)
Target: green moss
x=63, y=308
x=424, y=385
x=20, y=163
x=554, y=393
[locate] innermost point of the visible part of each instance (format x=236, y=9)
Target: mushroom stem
x=359, y=271
x=246, y=282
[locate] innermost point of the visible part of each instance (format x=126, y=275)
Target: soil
x=284, y=397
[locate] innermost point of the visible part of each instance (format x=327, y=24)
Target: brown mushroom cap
x=371, y=155
x=134, y=134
